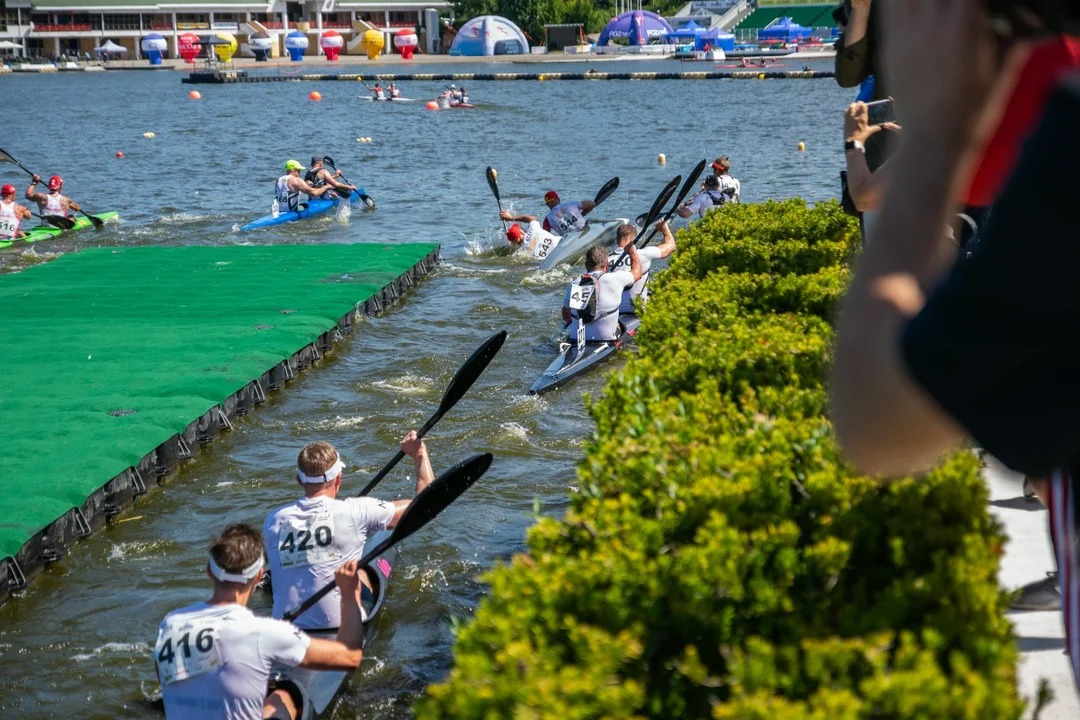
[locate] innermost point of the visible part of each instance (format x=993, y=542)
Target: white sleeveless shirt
x=54, y=205
x=566, y=218
x=539, y=242
x=214, y=661
x=9, y=221
x=307, y=540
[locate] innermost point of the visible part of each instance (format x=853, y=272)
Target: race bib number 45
x=307, y=544
x=579, y=296
x=187, y=650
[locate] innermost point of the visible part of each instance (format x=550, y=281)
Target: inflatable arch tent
x=637, y=26
x=489, y=35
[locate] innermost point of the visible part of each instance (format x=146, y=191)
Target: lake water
x=77, y=642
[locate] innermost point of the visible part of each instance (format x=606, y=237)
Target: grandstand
x=812, y=16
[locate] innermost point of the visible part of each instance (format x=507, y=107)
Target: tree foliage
x=721, y=559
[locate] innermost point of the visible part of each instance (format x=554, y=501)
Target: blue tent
x=784, y=29
x=691, y=32
x=637, y=26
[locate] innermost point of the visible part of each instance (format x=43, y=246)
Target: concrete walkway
x=1028, y=557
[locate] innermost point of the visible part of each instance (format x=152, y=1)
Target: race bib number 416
x=308, y=543
x=187, y=650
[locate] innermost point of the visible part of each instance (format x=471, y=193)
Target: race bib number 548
x=187, y=650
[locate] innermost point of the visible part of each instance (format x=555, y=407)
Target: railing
x=120, y=25
x=336, y=25
x=63, y=27
x=270, y=24
x=161, y=26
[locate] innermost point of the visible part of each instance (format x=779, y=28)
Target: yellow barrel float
x=225, y=52
x=372, y=42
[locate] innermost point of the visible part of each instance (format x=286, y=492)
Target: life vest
x=285, y=198
x=9, y=221
x=54, y=205
x=585, y=299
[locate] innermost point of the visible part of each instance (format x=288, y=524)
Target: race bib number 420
x=307, y=543
x=187, y=650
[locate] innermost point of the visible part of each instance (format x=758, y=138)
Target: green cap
x=293, y=165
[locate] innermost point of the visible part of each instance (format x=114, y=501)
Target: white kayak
x=386, y=99
x=573, y=247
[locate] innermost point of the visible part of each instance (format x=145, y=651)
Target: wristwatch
x=850, y=145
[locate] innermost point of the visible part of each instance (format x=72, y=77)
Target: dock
x=124, y=362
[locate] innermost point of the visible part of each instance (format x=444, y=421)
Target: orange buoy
x=432, y=105
x=119, y=154
x=315, y=95
x=195, y=95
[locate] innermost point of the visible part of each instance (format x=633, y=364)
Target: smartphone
x=881, y=112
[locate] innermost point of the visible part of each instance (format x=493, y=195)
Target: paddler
x=596, y=296
x=318, y=176
x=647, y=256
x=708, y=199
x=533, y=239
x=378, y=91
x=310, y=537
x=463, y=96
x=214, y=658
x=729, y=186
x=565, y=217
x=290, y=185
x=52, y=203
x=11, y=214
x=395, y=94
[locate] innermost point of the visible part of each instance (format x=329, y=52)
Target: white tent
x=8, y=45
x=111, y=48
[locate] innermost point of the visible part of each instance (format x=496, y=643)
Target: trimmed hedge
x=721, y=559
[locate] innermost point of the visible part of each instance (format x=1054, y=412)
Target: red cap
x=7, y=190
x=551, y=195
x=55, y=182
x=514, y=234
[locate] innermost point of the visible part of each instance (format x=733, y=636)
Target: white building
x=75, y=27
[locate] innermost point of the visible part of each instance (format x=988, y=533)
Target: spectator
x=929, y=351
x=864, y=186
x=856, y=62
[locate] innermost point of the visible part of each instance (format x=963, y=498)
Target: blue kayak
x=314, y=207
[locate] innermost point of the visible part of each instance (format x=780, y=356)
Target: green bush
x=721, y=559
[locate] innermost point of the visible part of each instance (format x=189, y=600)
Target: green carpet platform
x=121, y=362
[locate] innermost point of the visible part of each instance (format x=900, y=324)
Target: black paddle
x=56, y=221
x=605, y=192
x=654, y=213
x=691, y=181
x=6, y=157
x=329, y=162
x=493, y=183
x=430, y=502
x=459, y=385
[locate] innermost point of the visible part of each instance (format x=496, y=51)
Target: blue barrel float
x=153, y=46
x=296, y=43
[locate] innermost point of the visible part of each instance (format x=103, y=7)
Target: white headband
x=249, y=573
x=326, y=477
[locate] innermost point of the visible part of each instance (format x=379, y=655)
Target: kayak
x=317, y=690
x=573, y=247
x=769, y=66
x=314, y=207
x=572, y=363
x=385, y=99
x=48, y=232
x=462, y=106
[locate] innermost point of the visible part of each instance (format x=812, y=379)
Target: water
x=77, y=642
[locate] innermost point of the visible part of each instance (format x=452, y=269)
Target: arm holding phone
x=866, y=188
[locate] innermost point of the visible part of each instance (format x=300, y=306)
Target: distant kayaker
x=214, y=658
x=596, y=296
x=306, y=539
x=647, y=256
x=318, y=176
x=395, y=94
x=379, y=94
x=52, y=203
x=11, y=214
x=463, y=96
x=708, y=199
x=731, y=187
x=567, y=217
x=533, y=239
x=290, y=185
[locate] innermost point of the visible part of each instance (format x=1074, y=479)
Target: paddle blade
x=690, y=184
x=605, y=192
x=471, y=369
x=59, y=221
x=493, y=182
x=433, y=499
x=6, y=157
x=659, y=203
x=366, y=199
x=97, y=222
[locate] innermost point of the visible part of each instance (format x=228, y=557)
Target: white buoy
x=662, y=159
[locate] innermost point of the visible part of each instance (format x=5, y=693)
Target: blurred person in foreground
x=930, y=351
